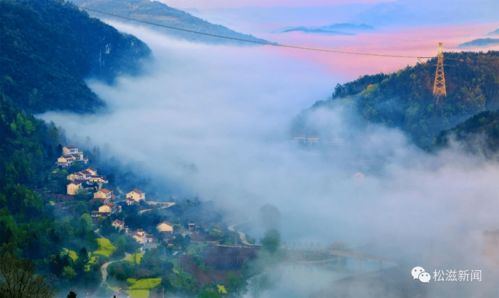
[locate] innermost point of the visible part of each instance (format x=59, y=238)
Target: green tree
x=271, y=241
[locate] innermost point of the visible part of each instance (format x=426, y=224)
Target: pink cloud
x=409, y=41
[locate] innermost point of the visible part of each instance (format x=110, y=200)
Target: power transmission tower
x=439, y=89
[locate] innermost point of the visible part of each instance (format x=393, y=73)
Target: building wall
x=72, y=189
x=135, y=196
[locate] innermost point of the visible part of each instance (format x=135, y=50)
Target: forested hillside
x=479, y=134
x=49, y=47
x=404, y=99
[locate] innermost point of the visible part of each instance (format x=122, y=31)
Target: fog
x=214, y=121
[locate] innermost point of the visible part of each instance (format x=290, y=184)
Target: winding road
x=242, y=235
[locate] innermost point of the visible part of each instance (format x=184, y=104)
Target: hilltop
x=160, y=13
x=404, y=99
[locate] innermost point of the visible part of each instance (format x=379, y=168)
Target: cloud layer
x=214, y=121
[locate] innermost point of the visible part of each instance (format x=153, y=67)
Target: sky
x=377, y=12
x=401, y=27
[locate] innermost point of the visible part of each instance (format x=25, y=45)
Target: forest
x=404, y=99
x=39, y=76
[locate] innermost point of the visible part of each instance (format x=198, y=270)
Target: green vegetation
x=209, y=293
x=479, y=134
x=138, y=293
x=135, y=258
x=144, y=283
x=49, y=47
x=106, y=248
x=73, y=255
x=404, y=99
x=271, y=241
x=222, y=290
x=141, y=287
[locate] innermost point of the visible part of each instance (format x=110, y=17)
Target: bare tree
x=18, y=280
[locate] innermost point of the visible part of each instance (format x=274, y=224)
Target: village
x=89, y=181
x=206, y=251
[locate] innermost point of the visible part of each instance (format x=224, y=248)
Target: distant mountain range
x=480, y=42
x=160, y=13
x=333, y=29
x=495, y=32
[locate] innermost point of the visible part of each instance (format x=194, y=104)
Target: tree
x=270, y=216
x=17, y=279
x=68, y=272
x=271, y=241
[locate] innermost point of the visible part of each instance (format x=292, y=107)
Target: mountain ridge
x=480, y=42
x=162, y=14
x=34, y=71
x=332, y=29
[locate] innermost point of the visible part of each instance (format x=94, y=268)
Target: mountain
x=480, y=42
x=50, y=47
x=404, y=99
x=159, y=13
x=47, y=49
x=495, y=32
x=333, y=29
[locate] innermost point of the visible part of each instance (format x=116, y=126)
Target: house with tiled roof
x=118, y=224
x=135, y=196
x=103, y=194
x=74, y=187
x=164, y=228
x=71, y=154
x=105, y=210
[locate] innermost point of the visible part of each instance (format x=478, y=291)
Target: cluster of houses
x=146, y=240
x=89, y=181
x=71, y=155
x=86, y=180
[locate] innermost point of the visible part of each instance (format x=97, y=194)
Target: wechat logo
x=419, y=273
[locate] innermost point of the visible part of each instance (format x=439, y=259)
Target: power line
x=256, y=41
